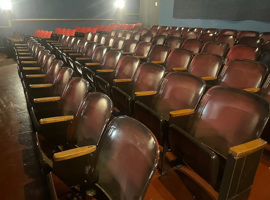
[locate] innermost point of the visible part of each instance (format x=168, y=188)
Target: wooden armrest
x=121, y=80
x=31, y=68
x=75, y=54
x=179, y=69
x=247, y=148
x=178, y=113
x=21, y=47
x=127, y=53
x=83, y=58
x=158, y=62
x=20, y=50
x=25, y=57
x=29, y=62
x=35, y=75
x=40, y=85
x=46, y=99
x=59, y=45
x=92, y=64
x=24, y=45
x=24, y=54
x=209, y=78
x=141, y=57
x=72, y=153
x=105, y=70
x=64, y=48
x=253, y=90
x=69, y=50
x=51, y=120
x=145, y=93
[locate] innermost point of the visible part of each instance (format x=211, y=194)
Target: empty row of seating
x=220, y=119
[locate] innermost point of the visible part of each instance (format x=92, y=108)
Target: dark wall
x=64, y=9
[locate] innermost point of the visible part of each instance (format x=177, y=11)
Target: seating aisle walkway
x=20, y=175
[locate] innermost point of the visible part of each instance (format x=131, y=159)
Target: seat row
x=197, y=127
x=217, y=99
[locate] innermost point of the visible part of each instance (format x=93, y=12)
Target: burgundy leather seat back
x=251, y=41
x=175, y=33
x=42, y=57
x=243, y=52
x=178, y=91
x=192, y=45
x=88, y=50
x=48, y=62
x=95, y=112
x=218, y=48
x=159, y=39
x=205, y=64
x=158, y=53
x=126, y=67
x=228, y=32
x=143, y=48
x=130, y=45
x=241, y=34
x=109, y=40
x=147, y=77
x=53, y=71
x=242, y=74
x=227, y=117
x=206, y=37
x=88, y=36
x=61, y=81
x=73, y=95
x=118, y=43
x=173, y=42
x=229, y=39
x=136, y=36
x=178, y=58
x=147, y=37
x=190, y=35
x=99, y=53
x=111, y=59
x=127, y=156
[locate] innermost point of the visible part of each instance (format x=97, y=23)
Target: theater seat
x=113, y=169
x=147, y=79
x=179, y=93
x=142, y=49
x=108, y=63
x=212, y=151
x=53, y=114
x=174, y=42
x=229, y=39
x=159, y=40
x=95, y=60
x=85, y=129
x=54, y=88
x=147, y=37
x=251, y=41
x=218, y=48
x=206, y=66
x=125, y=69
x=178, y=60
x=243, y=52
x=243, y=74
x=193, y=45
x=157, y=54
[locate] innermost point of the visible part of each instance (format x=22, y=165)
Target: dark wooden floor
x=20, y=176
